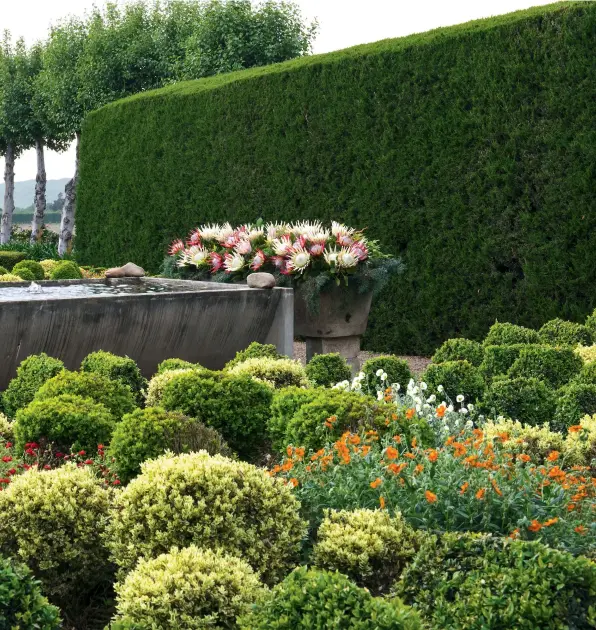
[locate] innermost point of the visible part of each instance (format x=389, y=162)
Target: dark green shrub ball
x=587, y=374
x=175, y=364
x=255, y=350
x=286, y=402
x=558, y=332
x=312, y=598
x=148, y=433
x=554, y=366
x=465, y=581
x=22, y=605
x=498, y=359
x=328, y=369
x=591, y=323
x=397, y=371
x=528, y=400
x=505, y=334
x=460, y=350
x=116, y=368
x=32, y=266
x=237, y=406
x=456, y=377
x=3, y=271
x=116, y=397
x=33, y=372
x=67, y=422
x=24, y=274
x=574, y=402
x=66, y=270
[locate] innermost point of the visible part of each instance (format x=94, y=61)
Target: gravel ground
x=417, y=364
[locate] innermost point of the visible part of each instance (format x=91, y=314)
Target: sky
x=342, y=23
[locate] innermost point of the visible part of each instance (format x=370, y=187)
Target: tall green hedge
x=470, y=151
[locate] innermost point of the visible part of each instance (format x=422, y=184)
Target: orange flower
x=382, y=502
x=581, y=530
x=354, y=439
x=431, y=497
x=535, y=526
x=396, y=468
x=551, y=521
x=365, y=450
x=571, y=507
x=433, y=456
x=287, y=465
x=397, y=439
x=414, y=442
x=419, y=468
x=376, y=483
x=480, y=494
x=410, y=413
x=524, y=458
x=557, y=474
x=440, y=410
x=576, y=428
x=294, y=481
x=464, y=487
x=299, y=452
x=496, y=488
x=410, y=455
x=514, y=534
x=460, y=449
x=553, y=456
x=391, y=453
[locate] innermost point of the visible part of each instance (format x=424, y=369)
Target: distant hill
x=24, y=192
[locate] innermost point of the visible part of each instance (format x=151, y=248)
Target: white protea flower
x=384, y=376
x=331, y=256
x=423, y=386
x=252, y=232
x=347, y=258
x=306, y=228
x=210, y=232
x=198, y=256
x=459, y=398
x=299, y=260
x=342, y=233
x=243, y=247
x=234, y=262
x=282, y=246
x=225, y=232
x=275, y=230
x=379, y=372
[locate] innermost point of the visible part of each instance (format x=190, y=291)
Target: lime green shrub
x=66, y=270
x=33, y=372
x=115, y=396
x=580, y=446
x=574, y=402
x=188, y=589
x=66, y=421
x=156, y=386
x=499, y=584
x=22, y=605
x=32, y=266
x=10, y=277
x=48, y=266
x=175, y=364
x=53, y=521
x=505, y=334
x=3, y=271
x=587, y=353
x=309, y=599
x=255, y=350
x=587, y=374
x=9, y=259
x=237, y=406
x=456, y=377
x=558, y=332
x=554, y=366
x=369, y=546
x=278, y=372
x=397, y=370
x=210, y=501
x=116, y=368
x=328, y=369
x=147, y=433
x=498, y=359
x=23, y=274
x=460, y=349
x=528, y=400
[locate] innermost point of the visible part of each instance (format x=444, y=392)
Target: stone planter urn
x=338, y=326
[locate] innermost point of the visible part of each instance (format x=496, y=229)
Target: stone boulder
x=130, y=270
x=261, y=280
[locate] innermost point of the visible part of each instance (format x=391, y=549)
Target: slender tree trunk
x=8, y=194
x=68, y=211
x=40, y=194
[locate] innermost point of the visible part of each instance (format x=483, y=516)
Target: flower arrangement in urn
x=305, y=253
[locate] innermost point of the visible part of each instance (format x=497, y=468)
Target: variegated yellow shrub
x=279, y=372
x=587, y=353
x=157, y=385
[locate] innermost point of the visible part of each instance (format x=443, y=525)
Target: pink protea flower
x=342, y=233
x=279, y=262
x=299, y=243
x=230, y=241
x=360, y=249
x=176, y=247
x=194, y=238
x=258, y=260
x=282, y=246
x=316, y=249
x=216, y=261
x=243, y=247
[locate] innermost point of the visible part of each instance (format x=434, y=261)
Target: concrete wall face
x=207, y=325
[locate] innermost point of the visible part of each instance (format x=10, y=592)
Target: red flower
x=81, y=453
x=12, y=471
x=88, y=462
x=116, y=482
x=47, y=467
x=8, y=445
x=6, y=459
x=100, y=447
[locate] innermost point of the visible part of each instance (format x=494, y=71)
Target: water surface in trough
x=83, y=290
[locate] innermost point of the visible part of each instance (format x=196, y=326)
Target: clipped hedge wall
x=468, y=150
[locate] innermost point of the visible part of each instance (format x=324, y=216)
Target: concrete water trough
x=147, y=319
